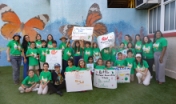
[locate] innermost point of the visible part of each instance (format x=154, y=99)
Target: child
x=108, y=65
x=38, y=41
x=58, y=81
x=70, y=66
x=33, y=58
x=96, y=52
x=130, y=47
x=49, y=41
x=121, y=48
x=120, y=61
x=45, y=77
x=68, y=53
x=29, y=83
x=113, y=55
x=129, y=63
x=100, y=65
x=138, y=44
x=106, y=54
x=62, y=45
x=54, y=45
x=81, y=65
x=42, y=53
x=87, y=51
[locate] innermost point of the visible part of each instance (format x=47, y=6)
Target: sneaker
x=21, y=90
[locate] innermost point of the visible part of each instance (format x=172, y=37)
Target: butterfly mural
x=93, y=16
x=14, y=25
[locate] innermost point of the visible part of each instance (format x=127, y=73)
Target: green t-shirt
x=78, y=51
x=42, y=53
x=98, y=67
x=129, y=63
x=38, y=44
x=45, y=76
x=54, y=48
x=159, y=44
x=111, y=68
x=125, y=43
x=106, y=54
x=120, y=49
x=147, y=50
x=62, y=45
x=96, y=54
x=50, y=44
x=87, y=52
x=28, y=81
x=78, y=68
x=32, y=59
x=113, y=54
x=119, y=63
x=69, y=69
x=68, y=52
x=138, y=46
x=139, y=67
x=15, y=47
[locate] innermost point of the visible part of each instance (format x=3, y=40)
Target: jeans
x=25, y=68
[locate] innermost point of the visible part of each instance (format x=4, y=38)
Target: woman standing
x=25, y=46
x=160, y=56
x=49, y=41
x=38, y=41
x=14, y=52
x=138, y=44
x=148, y=53
x=127, y=40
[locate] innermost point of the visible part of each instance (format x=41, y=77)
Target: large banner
x=123, y=74
x=54, y=56
x=106, y=40
x=78, y=81
x=105, y=79
x=82, y=33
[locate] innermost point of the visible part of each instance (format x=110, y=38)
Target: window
x=154, y=19
x=169, y=16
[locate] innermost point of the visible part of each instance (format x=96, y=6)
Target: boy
x=54, y=44
x=120, y=61
x=33, y=58
x=62, y=45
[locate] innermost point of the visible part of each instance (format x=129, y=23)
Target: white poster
x=105, y=79
x=106, y=40
x=90, y=67
x=123, y=74
x=82, y=33
x=78, y=81
x=54, y=56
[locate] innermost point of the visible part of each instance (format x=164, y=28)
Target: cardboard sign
x=54, y=56
x=123, y=74
x=82, y=33
x=105, y=79
x=78, y=81
x=105, y=41
x=90, y=67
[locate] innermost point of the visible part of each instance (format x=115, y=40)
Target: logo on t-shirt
x=138, y=47
x=146, y=49
x=87, y=52
x=156, y=45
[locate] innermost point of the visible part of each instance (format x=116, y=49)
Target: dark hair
x=147, y=38
x=30, y=70
x=131, y=45
x=54, y=42
x=90, y=57
x=25, y=43
x=120, y=53
x=51, y=39
x=80, y=61
x=141, y=63
x=68, y=43
x=129, y=51
x=135, y=38
x=45, y=63
x=122, y=43
x=32, y=42
x=107, y=62
x=77, y=48
x=98, y=60
x=154, y=38
x=43, y=41
x=130, y=38
x=94, y=43
x=39, y=35
x=71, y=60
x=87, y=42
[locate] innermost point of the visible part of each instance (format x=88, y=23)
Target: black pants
x=76, y=60
x=64, y=65
x=150, y=63
x=54, y=88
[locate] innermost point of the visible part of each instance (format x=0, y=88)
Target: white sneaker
x=21, y=90
x=151, y=77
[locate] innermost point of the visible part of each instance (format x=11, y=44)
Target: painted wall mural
x=57, y=17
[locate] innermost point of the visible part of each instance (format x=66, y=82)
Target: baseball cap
x=56, y=65
x=138, y=55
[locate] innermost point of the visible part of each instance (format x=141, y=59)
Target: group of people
x=142, y=54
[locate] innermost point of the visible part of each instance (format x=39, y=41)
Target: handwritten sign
x=123, y=74
x=106, y=40
x=54, y=56
x=78, y=81
x=82, y=33
x=90, y=67
x=105, y=79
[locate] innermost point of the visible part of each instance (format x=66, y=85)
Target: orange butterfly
x=14, y=25
x=93, y=16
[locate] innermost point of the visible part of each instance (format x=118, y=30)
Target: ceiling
x=117, y=3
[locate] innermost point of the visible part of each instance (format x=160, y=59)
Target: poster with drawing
x=90, y=67
x=123, y=74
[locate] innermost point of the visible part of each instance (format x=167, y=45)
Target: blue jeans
x=25, y=68
x=16, y=63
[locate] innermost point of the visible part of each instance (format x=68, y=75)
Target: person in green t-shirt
x=82, y=65
x=54, y=45
x=78, y=51
x=96, y=52
x=148, y=53
x=120, y=61
x=70, y=66
x=130, y=47
x=87, y=50
x=38, y=41
x=127, y=40
x=49, y=41
x=106, y=54
x=33, y=58
x=160, y=55
x=113, y=55
x=142, y=72
x=128, y=62
x=108, y=65
x=121, y=47
x=29, y=83
x=45, y=78
x=62, y=45
x=100, y=65
x=138, y=44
